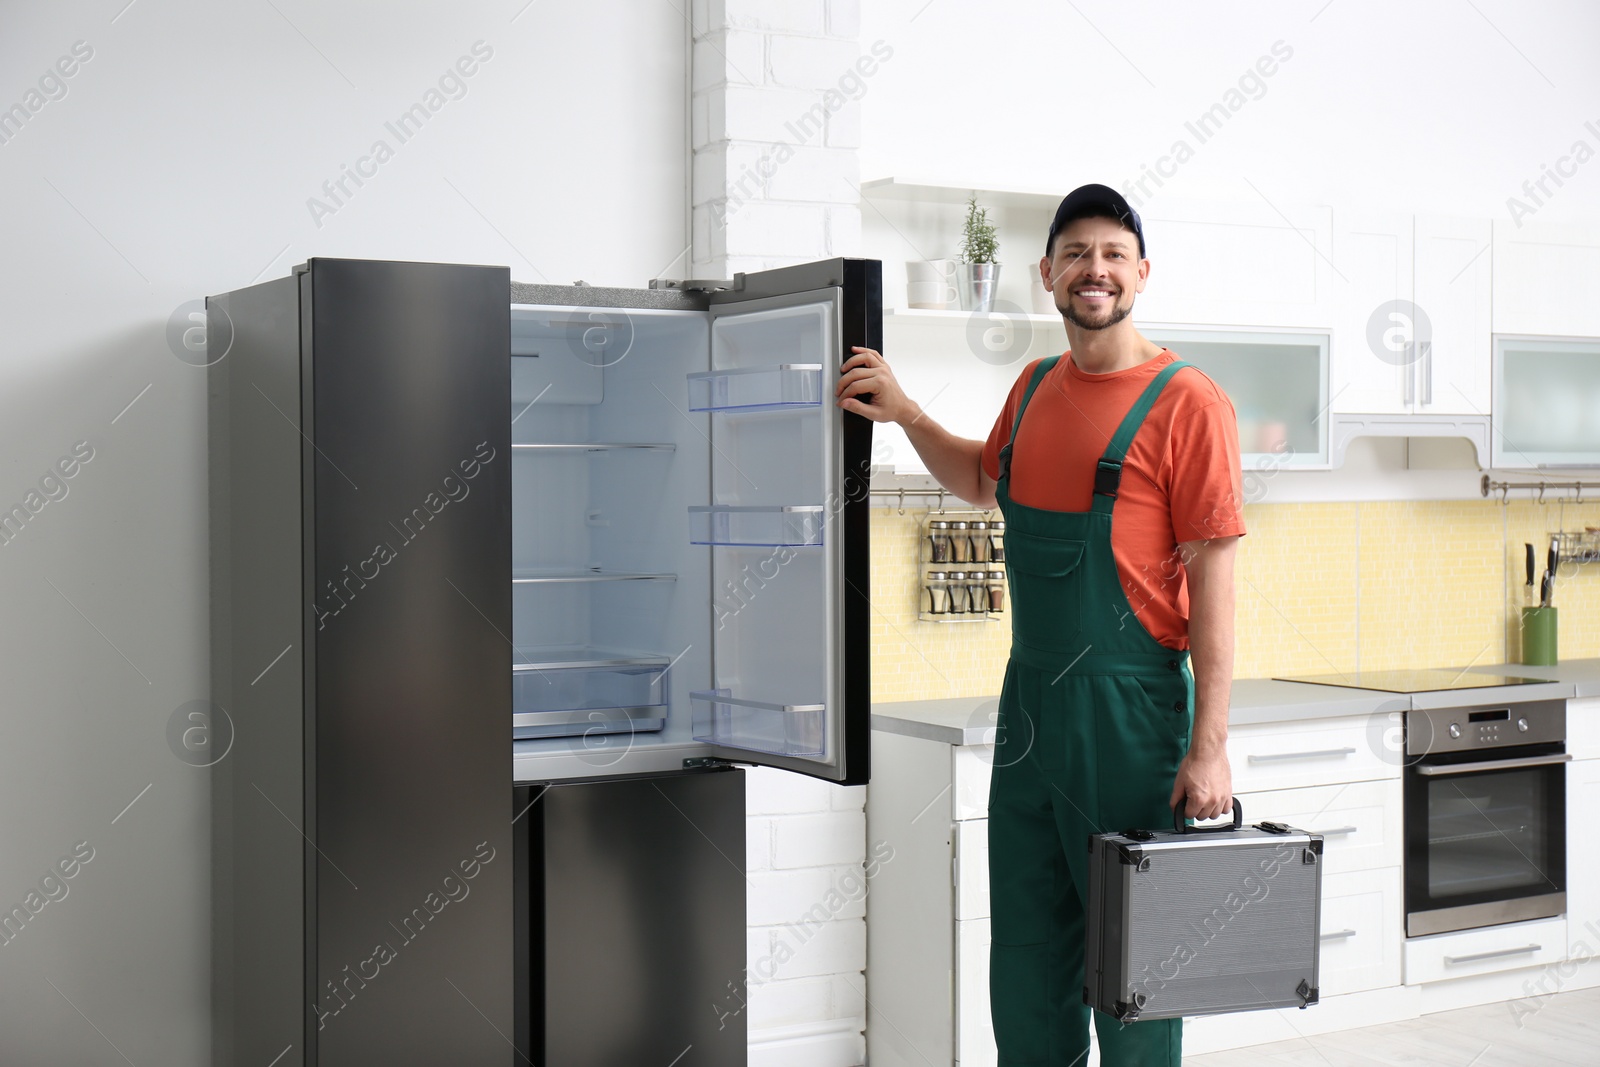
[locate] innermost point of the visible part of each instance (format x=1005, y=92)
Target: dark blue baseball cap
x=1095, y=202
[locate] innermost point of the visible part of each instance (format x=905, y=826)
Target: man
x=1103, y=724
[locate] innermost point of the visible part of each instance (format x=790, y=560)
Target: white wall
x=1428, y=105
x=178, y=163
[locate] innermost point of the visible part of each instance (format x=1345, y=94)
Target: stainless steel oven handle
x=1273, y=757
x=1435, y=770
x=1476, y=956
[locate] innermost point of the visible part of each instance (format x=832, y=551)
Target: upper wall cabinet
x=1546, y=279
x=1238, y=265
x=1413, y=334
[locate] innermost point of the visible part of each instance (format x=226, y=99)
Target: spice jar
x=979, y=536
x=957, y=588
x=977, y=593
x=938, y=541
x=960, y=543
x=997, y=541
x=997, y=592
x=936, y=593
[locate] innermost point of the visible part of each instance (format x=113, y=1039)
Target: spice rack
x=961, y=567
x=1578, y=546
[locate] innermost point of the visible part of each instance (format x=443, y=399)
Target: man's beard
x=1117, y=315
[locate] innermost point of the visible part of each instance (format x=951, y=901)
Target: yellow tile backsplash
x=1320, y=587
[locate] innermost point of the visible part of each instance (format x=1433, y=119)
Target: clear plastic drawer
x=573, y=691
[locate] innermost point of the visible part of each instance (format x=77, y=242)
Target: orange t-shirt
x=1181, y=479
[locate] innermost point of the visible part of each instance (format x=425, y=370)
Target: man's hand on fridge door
x=868, y=387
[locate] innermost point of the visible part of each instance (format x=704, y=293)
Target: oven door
x=1485, y=839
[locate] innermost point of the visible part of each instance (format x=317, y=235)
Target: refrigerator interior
x=671, y=560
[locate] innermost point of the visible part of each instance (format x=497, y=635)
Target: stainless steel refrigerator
x=610, y=541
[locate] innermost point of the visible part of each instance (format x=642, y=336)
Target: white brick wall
x=775, y=124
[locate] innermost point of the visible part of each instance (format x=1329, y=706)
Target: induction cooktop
x=1419, y=681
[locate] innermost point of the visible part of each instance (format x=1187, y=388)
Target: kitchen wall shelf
x=756, y=526
x=785, y=385
x=781, y=729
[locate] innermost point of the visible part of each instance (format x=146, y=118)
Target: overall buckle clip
x=1107, y=476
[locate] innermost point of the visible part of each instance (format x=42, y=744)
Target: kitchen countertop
x=970, y=720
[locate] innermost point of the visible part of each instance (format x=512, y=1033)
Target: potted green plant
x=980, y=272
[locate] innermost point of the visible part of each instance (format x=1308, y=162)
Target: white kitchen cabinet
x=1248, y=264
x=1583, y=861
x=1360, y=822
x=1414, y=326
x=1373, y=254
x=1452, y=285
x=1286, y=755
x=1546, y=275
x=1583, y=728
x=1486, y=950
x=1362, y=936
x=928, y=906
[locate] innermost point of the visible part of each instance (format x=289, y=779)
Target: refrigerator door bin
x=787, y=385
x=796, y=526
x=779, y=729
x=570, y=691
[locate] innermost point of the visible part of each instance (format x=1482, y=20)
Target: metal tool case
x=1201, y=921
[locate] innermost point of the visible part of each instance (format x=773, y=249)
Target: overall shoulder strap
x=1039, y=372
x=1108, y=473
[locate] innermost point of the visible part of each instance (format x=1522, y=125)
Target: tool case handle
x=1181, y=827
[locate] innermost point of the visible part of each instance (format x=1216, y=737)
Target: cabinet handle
x=1337, y=831
x=1409, y=395
x=1276, y=756
x=1427, y=372
x=1476, y=956
x=1338, y=935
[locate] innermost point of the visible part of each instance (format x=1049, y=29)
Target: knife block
x=1539, y=637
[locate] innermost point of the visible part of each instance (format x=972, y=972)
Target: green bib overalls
x=1095, y=716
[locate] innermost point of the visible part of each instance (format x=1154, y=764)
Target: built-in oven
x=1485, y=815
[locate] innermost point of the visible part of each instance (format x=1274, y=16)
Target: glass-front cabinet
x=1546, y=402
x=1278, y=382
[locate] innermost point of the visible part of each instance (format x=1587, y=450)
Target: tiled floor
x=1561, y=1030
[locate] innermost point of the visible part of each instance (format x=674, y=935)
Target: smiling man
x=1104, y=725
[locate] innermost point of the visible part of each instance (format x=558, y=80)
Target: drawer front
x=1361, y=931
x=974, y=1027
x=1494, y=948
x=1361, y=822
x=1321, y=752
x=1583, y=728
x=972, y=869
x=970, y=770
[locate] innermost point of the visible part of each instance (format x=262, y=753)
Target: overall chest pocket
x=1046, y=590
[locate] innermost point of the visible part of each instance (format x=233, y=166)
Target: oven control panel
x=1476, y=727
